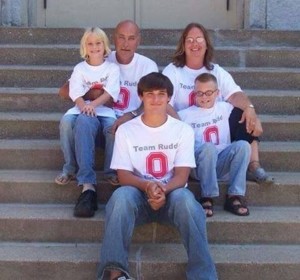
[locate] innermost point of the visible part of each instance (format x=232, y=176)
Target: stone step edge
x=77, y=252
x=64, y=212
x=47, y=176
x=56, y=116
x=54, y=90
x=70, y=46
x=17, y=67
x=35, y=144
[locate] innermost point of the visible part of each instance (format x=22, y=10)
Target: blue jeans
x=128, y=207
x=210, y=167
x=85, y=132
x=67, y=143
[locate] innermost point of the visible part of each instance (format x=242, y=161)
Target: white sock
x=88, y=186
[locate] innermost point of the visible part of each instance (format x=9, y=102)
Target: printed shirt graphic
x=130, y=75
x=86, y=77
x=209, y=125
x=183, y=79
x=152, y=153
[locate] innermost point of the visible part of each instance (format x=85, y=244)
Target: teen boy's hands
x=156, y=195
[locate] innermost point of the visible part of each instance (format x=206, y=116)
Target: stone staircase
x=40, y=238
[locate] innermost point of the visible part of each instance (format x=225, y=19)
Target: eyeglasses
x=191, y=40
x=207, y=93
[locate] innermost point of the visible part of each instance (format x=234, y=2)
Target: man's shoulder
x=144, y=59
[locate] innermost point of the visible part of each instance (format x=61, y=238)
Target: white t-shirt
x=86, y=77
x=152, y=153
x=130, y=75
x=183, y=80
x=209, y=125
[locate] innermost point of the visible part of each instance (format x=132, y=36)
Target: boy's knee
x=207, y=151
x=243, y=147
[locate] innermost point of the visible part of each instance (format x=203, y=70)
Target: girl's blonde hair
x=100, y=34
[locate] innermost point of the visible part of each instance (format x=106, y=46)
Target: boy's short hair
x=100, y=34
x=155, y=81
x=206, y=77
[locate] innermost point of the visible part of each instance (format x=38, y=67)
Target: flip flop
x=64, y=179
x=113, y=180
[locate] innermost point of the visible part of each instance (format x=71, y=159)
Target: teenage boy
x=153, y=154
x=215, y=155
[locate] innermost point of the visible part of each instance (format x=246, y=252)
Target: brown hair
x=179, y=58
x=155, y=81
x=206, y=77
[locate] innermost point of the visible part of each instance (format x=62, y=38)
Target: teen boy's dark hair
x=155, y=81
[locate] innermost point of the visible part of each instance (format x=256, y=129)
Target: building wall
x=169, y=14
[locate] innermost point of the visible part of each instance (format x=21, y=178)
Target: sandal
x=258, y=174
x=112, y=179
x=234, y=203
x=64, y=179
x=207, y=204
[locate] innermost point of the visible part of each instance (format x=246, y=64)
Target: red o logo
x=157, y=164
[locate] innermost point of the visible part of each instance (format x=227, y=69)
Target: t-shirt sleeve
x=185, y=153
x=113, y=83
x=77, y=88
x=121, y=157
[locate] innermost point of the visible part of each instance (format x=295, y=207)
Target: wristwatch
x=134, y=113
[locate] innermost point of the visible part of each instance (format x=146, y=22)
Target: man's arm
x=127, y=117
x=242, y=101
x=91, y=95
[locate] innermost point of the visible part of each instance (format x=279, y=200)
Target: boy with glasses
x=215, y=154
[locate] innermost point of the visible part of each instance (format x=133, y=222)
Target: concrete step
x=16, y=125
x=55, y=223
x=25, y=99
x=55, y=76
x=168, y=37
x=267, y=78
x=226, y=56
x=38, y=187
x=146, y=261
x=20, y=99
x=23, y=125
x=35, y=154
x=280, y=127
x=46, y=154
x=275, y=101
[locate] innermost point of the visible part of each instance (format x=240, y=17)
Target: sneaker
x=259, y=175
x=86, y=204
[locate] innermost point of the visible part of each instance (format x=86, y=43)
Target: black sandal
x=209, y=209
x=235, y=208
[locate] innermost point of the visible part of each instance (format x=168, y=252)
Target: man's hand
x=91, y=95
x=156, y=195
x=64, y=91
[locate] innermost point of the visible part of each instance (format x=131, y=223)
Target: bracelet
x=134, y=113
